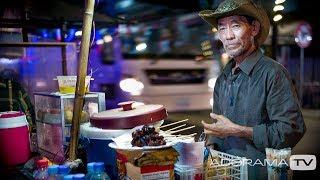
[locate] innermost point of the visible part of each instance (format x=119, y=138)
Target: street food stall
x=131, y=141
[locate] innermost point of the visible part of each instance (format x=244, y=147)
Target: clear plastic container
x=99, y=173
x=67, y=84
x=190, y=153
x=188, y=172
x=41, y=173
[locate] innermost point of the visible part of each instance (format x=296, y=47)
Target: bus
x=170, y=62
x=178, y=84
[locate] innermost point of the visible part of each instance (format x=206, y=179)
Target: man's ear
x=256, y=28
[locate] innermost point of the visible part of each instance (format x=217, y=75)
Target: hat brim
x=256, y=12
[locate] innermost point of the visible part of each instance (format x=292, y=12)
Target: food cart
x=134, y=157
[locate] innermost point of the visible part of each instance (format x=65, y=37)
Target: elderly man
x=255, y=105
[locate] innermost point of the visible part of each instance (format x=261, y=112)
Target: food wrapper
x=140, y=158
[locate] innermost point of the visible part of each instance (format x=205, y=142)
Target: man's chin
x=233, y=53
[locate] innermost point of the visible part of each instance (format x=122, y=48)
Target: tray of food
x=143, y=138
x=148, y=138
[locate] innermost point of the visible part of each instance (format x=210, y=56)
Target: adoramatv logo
x=303, y=162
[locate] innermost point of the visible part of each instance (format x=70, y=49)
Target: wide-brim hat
x=239, y=7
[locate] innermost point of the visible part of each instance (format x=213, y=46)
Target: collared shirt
x=259, y=95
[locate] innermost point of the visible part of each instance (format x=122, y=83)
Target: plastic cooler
x=96, y=142
x=14, y=138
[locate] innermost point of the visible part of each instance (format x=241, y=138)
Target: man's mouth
x=232, y=46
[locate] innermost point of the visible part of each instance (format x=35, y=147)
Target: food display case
x=54, y=113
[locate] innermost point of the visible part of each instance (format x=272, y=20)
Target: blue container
x=79, y=176
x=96, y=142
x=98, y=150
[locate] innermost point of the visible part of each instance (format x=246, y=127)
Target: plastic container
x=53, y=172
x=79, y=177
x=190, y=153
x=63, y=171
x=90, y=170
x=68, y=177
x=99, y=173
x=228, y=167
x=96, y=142
x=188, y=173
x=67, y=84
x=41, y=173
x=13, y=129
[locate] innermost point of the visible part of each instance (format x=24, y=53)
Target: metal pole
x=24, y=15
x=82, y=72
x=64, y=51
x=301, y=74
x=64, y=60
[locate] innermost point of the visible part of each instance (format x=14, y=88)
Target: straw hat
x=239, y=7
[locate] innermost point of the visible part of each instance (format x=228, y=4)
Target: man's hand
x=224, y=127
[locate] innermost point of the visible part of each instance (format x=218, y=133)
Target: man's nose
x=230, y=34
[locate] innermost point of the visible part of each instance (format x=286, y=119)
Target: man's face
x=236, y=34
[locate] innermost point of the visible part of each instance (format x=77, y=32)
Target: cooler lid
x=10, y=114
x=12, y=119
x=128, y=117
x=88, y=131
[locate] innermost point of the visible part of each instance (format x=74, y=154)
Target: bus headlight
x=131, y=85
x=212, y=82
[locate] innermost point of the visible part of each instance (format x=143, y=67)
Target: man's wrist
x=243, y=131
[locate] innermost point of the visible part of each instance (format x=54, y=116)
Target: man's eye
x=221, y=28
x=236, y=26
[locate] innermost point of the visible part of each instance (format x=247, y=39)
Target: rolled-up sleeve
x=286, y=125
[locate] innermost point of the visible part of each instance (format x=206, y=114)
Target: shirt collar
x=247, y=65
x=227, y=69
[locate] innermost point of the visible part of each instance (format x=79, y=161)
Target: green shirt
x=259, y=94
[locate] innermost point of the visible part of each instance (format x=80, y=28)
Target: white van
x=178, y=84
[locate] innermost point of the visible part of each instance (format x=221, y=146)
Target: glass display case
x=54, y=113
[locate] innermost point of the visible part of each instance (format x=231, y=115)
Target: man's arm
x=225, y=127
x=286, y=126
x=243, y=131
